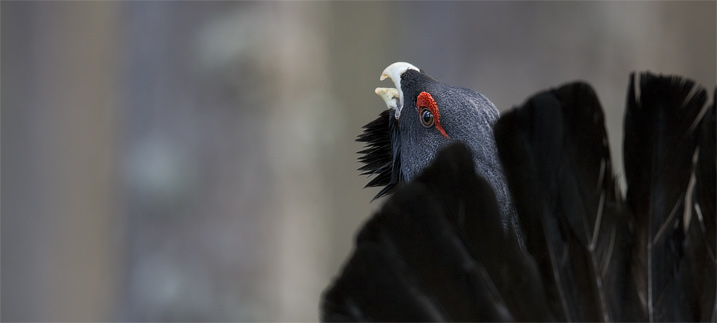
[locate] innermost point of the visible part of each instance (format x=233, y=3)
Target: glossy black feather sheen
x=661, y=138
x=424, y=247
x=381, y=155
x=557, y=162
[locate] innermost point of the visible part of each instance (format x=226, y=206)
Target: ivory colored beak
x=389, y=95
x=394, y=99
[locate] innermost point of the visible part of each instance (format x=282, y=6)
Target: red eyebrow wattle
x=425, y=100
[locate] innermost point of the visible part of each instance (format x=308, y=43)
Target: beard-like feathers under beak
x=394, y=72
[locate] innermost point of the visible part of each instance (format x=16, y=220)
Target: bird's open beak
x=394, y=97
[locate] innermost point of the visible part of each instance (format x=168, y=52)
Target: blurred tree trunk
x=59, y=261
x=227, y=119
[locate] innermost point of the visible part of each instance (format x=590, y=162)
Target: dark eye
x=427, y=118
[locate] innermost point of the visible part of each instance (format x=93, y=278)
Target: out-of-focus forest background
x=195, y=161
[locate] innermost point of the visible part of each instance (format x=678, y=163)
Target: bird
x=439, y=248
x=424, y=115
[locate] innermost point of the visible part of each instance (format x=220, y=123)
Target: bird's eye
x=427, y=118
x=428, y=112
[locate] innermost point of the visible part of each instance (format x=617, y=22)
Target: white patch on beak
x=394, y=72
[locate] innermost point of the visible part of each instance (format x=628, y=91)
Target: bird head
x=423, y=116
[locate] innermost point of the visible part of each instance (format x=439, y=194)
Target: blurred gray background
x=195, y=161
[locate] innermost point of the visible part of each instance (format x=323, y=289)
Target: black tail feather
x=660, y=141
x=424, y=245
x=557, y=162
x=470, y=208
x=700, y=245
x=375, y=287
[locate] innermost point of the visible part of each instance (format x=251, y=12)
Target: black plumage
x=382, y=155
x=661, y=136
x=436, y=251
x=701, y=241
x=555, y=154
x=418, y=258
